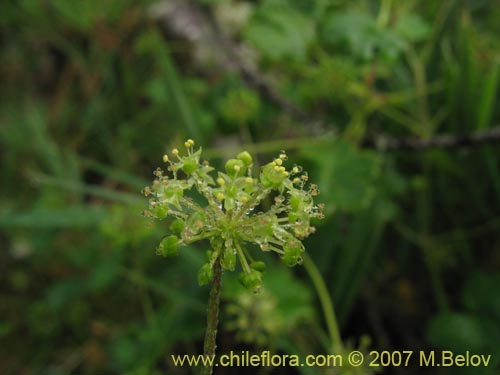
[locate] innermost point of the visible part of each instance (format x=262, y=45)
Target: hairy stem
x=212, y=317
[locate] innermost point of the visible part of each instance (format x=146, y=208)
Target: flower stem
x=326, y=303
x=212, y=318
x=241, y=255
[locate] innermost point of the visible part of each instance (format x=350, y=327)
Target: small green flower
x=228, y=260
x=245, y=157
x=205, y=274
x=235, y=167
x=168, y=247
x=177, y=226
x=230, y=217
x=259, y=266
x=293, y=251
x=251, y=280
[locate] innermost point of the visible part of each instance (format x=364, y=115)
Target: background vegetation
x=373, y=97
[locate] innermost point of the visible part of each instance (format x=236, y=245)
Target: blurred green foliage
x=93, y=93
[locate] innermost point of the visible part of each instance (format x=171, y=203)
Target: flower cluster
x=230, y=217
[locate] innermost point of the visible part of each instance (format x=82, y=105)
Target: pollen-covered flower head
x=230, y=216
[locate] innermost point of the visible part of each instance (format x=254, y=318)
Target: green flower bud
x=231, y=191
x=293, y=251
x=258, y=266
x=302, y=230
x=252, y=280
x=235, y=166
x=270, y=177
x=160, y=211
x=245, y=157
x=228, y=261
x=177, y=226
x=205, y=274
x=169, y=246
x=264, y=227
x=291, y=259
x=189, y=165
x=295, y=203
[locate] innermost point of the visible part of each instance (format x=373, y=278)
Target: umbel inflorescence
x=231, y=217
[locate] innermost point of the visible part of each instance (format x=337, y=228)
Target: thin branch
x=384, y=143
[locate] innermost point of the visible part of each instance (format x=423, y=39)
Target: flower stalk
x=209, y=344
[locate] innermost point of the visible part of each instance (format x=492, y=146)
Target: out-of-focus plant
x=230, y=219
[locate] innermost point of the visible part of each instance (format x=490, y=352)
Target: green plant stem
x=241, y=255
x=326, y=303
x=212, y=317
x=384, y=14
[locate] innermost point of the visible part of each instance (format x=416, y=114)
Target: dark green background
x=94, y=92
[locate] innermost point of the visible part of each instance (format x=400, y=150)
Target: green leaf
x=279, y=35
x=412, y=28
x=68, y=217
x=362, y=35
x=346, y=175
x=457, y=332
